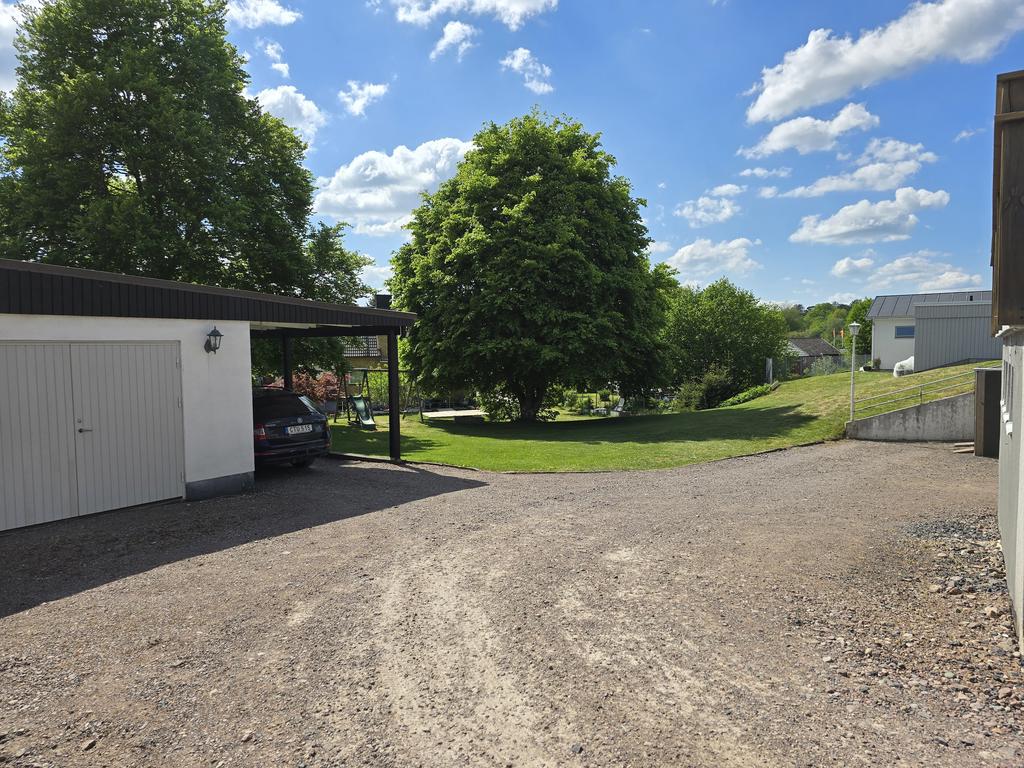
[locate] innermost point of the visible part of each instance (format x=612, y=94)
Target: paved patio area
x=838, y=604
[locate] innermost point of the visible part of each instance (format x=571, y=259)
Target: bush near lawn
x=747, y=395
x=798, y=412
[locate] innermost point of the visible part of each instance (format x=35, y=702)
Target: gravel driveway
x=838, y=604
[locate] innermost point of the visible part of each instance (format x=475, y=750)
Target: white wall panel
x=128, y=424
x=37, y=462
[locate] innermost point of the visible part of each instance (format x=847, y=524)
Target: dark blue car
x=287, y=428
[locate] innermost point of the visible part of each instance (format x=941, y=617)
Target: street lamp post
x=854, y=330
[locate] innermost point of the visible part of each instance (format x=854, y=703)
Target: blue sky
x=867, y=148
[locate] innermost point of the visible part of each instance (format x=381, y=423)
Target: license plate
x=300, y=429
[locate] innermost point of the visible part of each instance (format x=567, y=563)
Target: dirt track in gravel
x=742, y=613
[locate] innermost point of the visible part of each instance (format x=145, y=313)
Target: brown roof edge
x=210, y=290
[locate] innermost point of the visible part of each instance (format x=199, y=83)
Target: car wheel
x=302, y=463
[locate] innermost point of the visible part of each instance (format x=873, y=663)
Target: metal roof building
x=902, y=305
x=935, y=329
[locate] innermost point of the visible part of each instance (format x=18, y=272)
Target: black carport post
x=394, y=407
x=286, y=361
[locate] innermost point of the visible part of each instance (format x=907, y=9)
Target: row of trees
x=829, y=321
x=129, y=145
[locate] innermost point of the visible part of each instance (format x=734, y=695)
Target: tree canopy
x=859, y=312
x=129, y=145
x=528, y=268
x=335, y=275
x=724, y=328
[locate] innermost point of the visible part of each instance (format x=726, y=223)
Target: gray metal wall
x=952, y=333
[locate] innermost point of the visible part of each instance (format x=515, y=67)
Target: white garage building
x=935, y=328
x=112, y=396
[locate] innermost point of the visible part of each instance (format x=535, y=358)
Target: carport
x=118, y=390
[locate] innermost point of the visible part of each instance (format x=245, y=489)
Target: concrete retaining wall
x=947, y=420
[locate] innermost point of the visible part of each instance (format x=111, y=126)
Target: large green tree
x=129, y=145
x=723, y=327
x=528, y=269
x=335, y=274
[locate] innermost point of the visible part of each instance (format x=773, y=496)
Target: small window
x=904, y=331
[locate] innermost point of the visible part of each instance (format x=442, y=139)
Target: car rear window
x=279, y=407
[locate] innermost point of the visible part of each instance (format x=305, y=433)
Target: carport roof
x=29, y=288
x=902, y=305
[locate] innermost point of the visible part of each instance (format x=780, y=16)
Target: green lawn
x=798, y=412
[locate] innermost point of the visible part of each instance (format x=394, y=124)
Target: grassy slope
x=802, y=411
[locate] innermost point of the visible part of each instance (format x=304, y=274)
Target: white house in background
x=935, y=328
x=115, y=392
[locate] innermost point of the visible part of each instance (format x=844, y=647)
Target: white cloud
x=455, y=35
x=535, y=75
x=707, y=210
x=8, y=58
x=894, y=151
x=275, y=53
x=886, y=164
x=289, y=104
x=866, y=222
x=376, y=192
x=704, y=258
x=851, y=267
x=967, y=133
x=764, y=173
x=809, y=134
x=375, y=275
x=361, y=95
x=659, y=246
x=768, y=192
x=923, y=271
x=844, y=298
x=826, y=68
x=727, y=190
x=257, y=13
x=713, y=207
x=512, y=13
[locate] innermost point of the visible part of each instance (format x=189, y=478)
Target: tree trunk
x=530, y=401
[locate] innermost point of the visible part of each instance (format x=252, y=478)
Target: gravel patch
x=836, y=604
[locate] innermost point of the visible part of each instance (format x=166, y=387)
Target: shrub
x=569, y=398
x=499, y=405
x=325, y=386
x=556, y=394
x=583, y=405
x=706, y=392
x=604, y=395
x=747, y=395
x=824, y=366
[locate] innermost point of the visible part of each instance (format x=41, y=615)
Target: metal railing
x=918, y=394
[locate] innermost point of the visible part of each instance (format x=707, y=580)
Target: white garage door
x=88, y=427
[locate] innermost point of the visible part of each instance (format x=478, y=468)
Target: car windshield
x=279, y=407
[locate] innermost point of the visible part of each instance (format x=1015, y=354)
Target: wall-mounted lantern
x=213, y=340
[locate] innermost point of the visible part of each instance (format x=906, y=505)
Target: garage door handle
x=84, y=429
